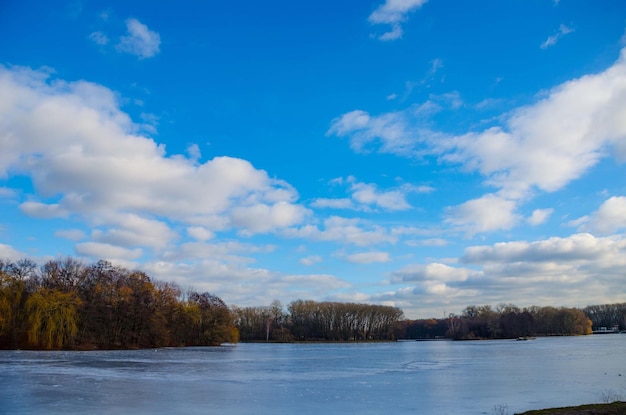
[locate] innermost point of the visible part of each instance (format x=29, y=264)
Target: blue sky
x=423, y=154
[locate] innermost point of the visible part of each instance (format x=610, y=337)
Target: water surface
x=439, y=377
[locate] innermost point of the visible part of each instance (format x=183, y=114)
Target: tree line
x=307, y=320
x=65, y=304
x=506, y=321
x=607, y=315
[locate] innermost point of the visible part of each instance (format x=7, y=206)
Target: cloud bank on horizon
x=255, y=158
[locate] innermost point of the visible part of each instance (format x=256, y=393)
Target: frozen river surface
x=440, y=377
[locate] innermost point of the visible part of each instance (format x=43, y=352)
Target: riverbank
x=615, y=408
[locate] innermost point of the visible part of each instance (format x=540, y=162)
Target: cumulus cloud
x=261, y=218
x=539, y=216
x=139, y=40
x=311, y=260
x=70, y=234
x=97, y=251
x=242, y=285
x=199, y=233
x=8, y=253
x=343, y=230
x=366, y=196
x=428, y=242
x=539, y=147
x=609, y=218
x=392, y=132
x=574, y=249
x=5, y=192
x=581, y=269
x=193, y=150
x=485, y=214
x=43, y=210
x=87, y=161
x=433, y=283
x=402, y=133
x=368, y=257
x=394, y=12
x=129, y=230
x=333, y=203
x=431, y=272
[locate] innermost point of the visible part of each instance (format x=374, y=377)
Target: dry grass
x=615, y=408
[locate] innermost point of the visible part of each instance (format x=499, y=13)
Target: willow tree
x=52, y=318
x=6, y=310
x=12, y=298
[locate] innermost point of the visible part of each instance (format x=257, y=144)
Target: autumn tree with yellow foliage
x=65, y=304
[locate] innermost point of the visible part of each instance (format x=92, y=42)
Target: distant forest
x=507, y=321
x=329, y=321
x=66, y=304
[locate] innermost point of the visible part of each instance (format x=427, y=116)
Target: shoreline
x=614, y=408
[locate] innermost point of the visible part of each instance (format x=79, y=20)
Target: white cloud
x=438, y=272
x=333, y=203
x=200, y=233
x=368, y=257
x=428, y=242
x=129, y=230
x=9, y=253
x=5, y=192
x=193, y=150
x=311, y=260
x=99, y=38
x=262, y=218
x=229, y=252
x=539, y=216
x=435, y=65
x=393, y=34
x=391, y=130
x=486, y=214
x=610, y=217
x=343, y=230
x=393, y=12
x=552, y=142
x=87, y=160
x=575, y=249
x=367, y=196
x=581, y=268
x=97, y=251
x=401, y=132
x=243, y=285
x=139, y=40
x=552, y=40
x=571, y=271
x=43, y=211
x=434, y=283
x=542, y=146
x=150, y=121
x=70, y=234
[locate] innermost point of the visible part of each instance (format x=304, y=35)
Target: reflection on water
x=405, y=377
